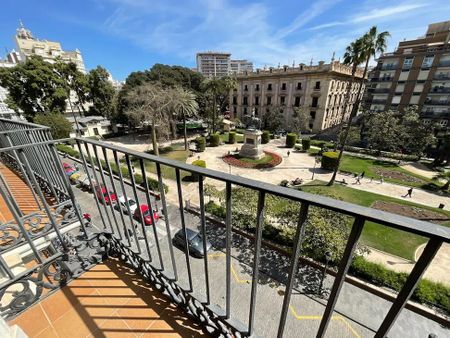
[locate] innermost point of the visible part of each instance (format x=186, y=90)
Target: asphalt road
x=358, y=314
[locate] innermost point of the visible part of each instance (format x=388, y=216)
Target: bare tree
x=149, y=104
x=185, y=105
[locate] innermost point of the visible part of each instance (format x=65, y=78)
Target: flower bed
x=270, y=160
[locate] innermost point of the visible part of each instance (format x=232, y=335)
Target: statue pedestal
x=252, y=144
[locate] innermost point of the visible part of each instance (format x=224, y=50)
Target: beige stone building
x=213, y=64
x=319, y=90
x=27, y=45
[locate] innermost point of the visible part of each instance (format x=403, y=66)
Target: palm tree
x=185, y=105
x=362, y=49
x=444, y=176
x=213, y=86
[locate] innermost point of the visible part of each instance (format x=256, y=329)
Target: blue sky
x=129, y=35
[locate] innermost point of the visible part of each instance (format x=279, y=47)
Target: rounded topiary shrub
x=232, y=137
x=290, y=140
x=265, y=137
x=201, y=143
x=306, y=143
x=198, y=163
x=330, y=160
x=214, y=140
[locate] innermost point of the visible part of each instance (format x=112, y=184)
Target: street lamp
x=327, y=260
x=316, y=161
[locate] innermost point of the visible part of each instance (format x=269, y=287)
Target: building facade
x=27, y=45
x=10, y=61
x=417, y=73
x=214, y=64
x=318, y=90
x=240, y=66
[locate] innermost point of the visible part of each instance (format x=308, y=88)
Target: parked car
x=146, y=214
x=108, y=196
x=124, y=204
x=195, y=242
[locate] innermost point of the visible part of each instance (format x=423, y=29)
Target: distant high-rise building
x=213, y=64
x=416, y=73
x=240, y=66
x=28, y=45
x=10, y=61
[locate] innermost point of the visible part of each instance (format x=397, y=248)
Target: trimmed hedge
x=329, y=160
x=298, y=147
x=306, y=144
x=214, y=140
x=64, y=148
x=265, y=137
x=198, y=163
x=290, y=140
x=232, y=137
x=321, y=144
x=201, y=143
x=427, y=292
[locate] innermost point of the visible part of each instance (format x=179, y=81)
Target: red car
x=108, y=196
x=146, y=213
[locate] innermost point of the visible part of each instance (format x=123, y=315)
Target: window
x=245, y=110
x=427, y=61
x=256, y=111
x=269, y=86
x=283, y=100
x=245, y=100
x=407, y=63
x=257, y=87
x=234, y=110
x=312, y=114
x=315, y=100
x=234, y=99
x=317, y=85
x=443, y=123
x=297, y=101
x=283, y=86
x=299, y=85
x=310, y=126
x=245, y=88
x=256, y=100
x=269, y=100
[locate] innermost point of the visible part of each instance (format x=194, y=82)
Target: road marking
x=338, y=318
x=297, y=316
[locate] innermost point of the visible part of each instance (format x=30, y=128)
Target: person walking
x=381, y=179
x=409, y=193
x=358, y=180
x=288, y=153
x=362, y=175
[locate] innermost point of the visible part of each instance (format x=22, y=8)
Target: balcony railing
x=389, y=67
x=437, y=103
x=437, y=90
x=379, y=101
x=445, y=63
x=159, y=267
x=441, y=77
x=379, y=90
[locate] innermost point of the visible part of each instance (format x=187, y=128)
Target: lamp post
x=316, y=161
x=327, y=260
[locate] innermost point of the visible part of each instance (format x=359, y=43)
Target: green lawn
x=178, y=154
x=263, y=160
x=378, y=236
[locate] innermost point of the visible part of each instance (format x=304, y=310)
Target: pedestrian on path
x=358, y=180
x=409, y=193
x=381, y=179
x=371, y=179
x=288, y=153
x=362, y=175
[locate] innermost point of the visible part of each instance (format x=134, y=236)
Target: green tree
x=60, y=126
x=101, y=92
x=416, y=136
x=185, y=105
x=353, y=137
x=443, y=150
x=34, y=87
x=300, y=121
x=362, y=49
x=383, y=131
x=149, y=104
x=444, y=176
x=272, y=119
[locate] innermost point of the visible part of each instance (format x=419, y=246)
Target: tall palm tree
x=213, y=86
x=362, y=49
x=444, y=176
x=185, y=105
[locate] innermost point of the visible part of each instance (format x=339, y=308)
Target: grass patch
x=378, y=236
x=263, y=160
x=239, y=138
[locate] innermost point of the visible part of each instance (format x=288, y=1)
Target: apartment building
x=9, y=61
x=416, y=73
x=27, y=45
x=214, y=64
x=240, y=66
x=319, y=90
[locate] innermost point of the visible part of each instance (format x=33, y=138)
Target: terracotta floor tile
x=114, y=327
x=49, y=332
x=59, y=304
x=138, y=315
x=74, y=324
x=79, y=287
x=32, y=321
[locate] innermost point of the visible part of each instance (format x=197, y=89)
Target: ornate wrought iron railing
x=127, y=237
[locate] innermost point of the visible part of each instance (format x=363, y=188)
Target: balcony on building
x=439, y=89
x=73, y=263
x=441, y=76
x=389, y=66
x=378, y=101
x=444, y=63
x=379, y=90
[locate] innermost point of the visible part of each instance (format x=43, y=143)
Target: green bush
x=214, y=140
x=201, y=143
x=290, y=140
x=427, y=292
x=232, y=137
x=298, y=147
x=329, y=160
x=64, y=148
x=162, y=150
x=265, y=137
x=306, y=144
x=321, y=144
x=198, y=163
x=215, y=209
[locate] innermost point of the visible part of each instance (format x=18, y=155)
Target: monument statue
x=251, y=121
x=252, y=137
